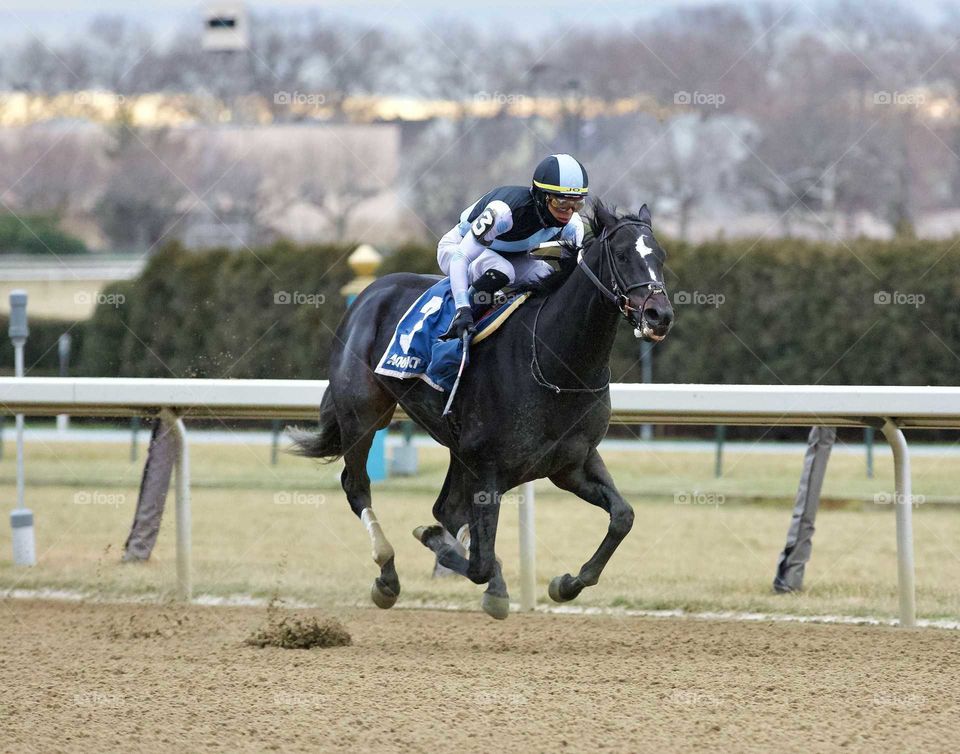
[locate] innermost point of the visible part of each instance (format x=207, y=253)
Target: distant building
x=238, y=186
x=226, y=27
x=308, y=183
x=65, y=288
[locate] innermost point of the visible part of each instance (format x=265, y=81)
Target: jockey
x=488, y=248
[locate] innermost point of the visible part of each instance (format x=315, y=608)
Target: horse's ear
x=644, y=215
x=607, y=218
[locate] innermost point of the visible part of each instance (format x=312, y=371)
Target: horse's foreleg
x=457, y=516
x=482, y=501
x=592, y=482
x=496, y=600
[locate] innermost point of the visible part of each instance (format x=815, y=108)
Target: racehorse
x=534, y=402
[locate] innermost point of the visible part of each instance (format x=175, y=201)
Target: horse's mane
x=568, y=254
x=553, y=281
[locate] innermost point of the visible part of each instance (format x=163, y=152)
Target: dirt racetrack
x=97, y=677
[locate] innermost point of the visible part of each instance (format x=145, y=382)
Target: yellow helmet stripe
x=560, y=189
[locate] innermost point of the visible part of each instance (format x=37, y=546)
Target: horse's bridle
x=618, y=289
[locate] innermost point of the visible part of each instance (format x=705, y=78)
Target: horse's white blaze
x=642, y=246
x=644, y=252
x=382, y=551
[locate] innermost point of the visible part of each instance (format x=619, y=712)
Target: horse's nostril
x=658, y=316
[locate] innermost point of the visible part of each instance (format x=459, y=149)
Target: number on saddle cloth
x=431, y=307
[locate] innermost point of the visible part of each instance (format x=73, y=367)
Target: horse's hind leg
x=454, y=516
x=592, y=482
x=358, y=432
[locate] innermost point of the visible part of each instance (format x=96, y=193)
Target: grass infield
x=699, y=543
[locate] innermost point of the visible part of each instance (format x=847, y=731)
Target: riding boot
x=481, y=293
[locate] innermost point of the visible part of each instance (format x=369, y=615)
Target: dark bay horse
x=534, y=402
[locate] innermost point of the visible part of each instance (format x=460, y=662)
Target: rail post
x=903, y=506
x=720, y=434
x=184, y=570
x=21, y=518
x=63, y=352
x=528, y=549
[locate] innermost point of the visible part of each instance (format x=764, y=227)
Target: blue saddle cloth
x=415, y=350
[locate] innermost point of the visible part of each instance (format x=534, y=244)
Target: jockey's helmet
x=562, y=175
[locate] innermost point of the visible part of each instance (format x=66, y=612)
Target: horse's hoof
x=383, y=597
x=495, y=607
x=423, y=533
x=554, y=589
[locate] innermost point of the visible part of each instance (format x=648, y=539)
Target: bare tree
x=138, y=204
x=51, y=170
x=34, y=67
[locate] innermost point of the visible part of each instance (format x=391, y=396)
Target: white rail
x=887, y=408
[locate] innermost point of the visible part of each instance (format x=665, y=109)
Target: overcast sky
x=54, y=19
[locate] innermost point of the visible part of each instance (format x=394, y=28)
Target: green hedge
x=264, y=314
x=36, y=234
x=797, y=312
x=767, y=312
x=801, y=312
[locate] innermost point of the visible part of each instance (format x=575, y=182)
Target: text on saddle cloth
x=415, y=350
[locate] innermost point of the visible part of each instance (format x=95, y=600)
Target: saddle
x=492, y=320
x=415, y=349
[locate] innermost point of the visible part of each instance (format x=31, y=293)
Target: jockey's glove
x=462, y=322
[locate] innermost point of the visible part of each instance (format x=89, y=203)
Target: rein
x=538, y=375
x=615, y=293
x=618, y=289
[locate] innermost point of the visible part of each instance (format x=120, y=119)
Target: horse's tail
x=325, y=443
